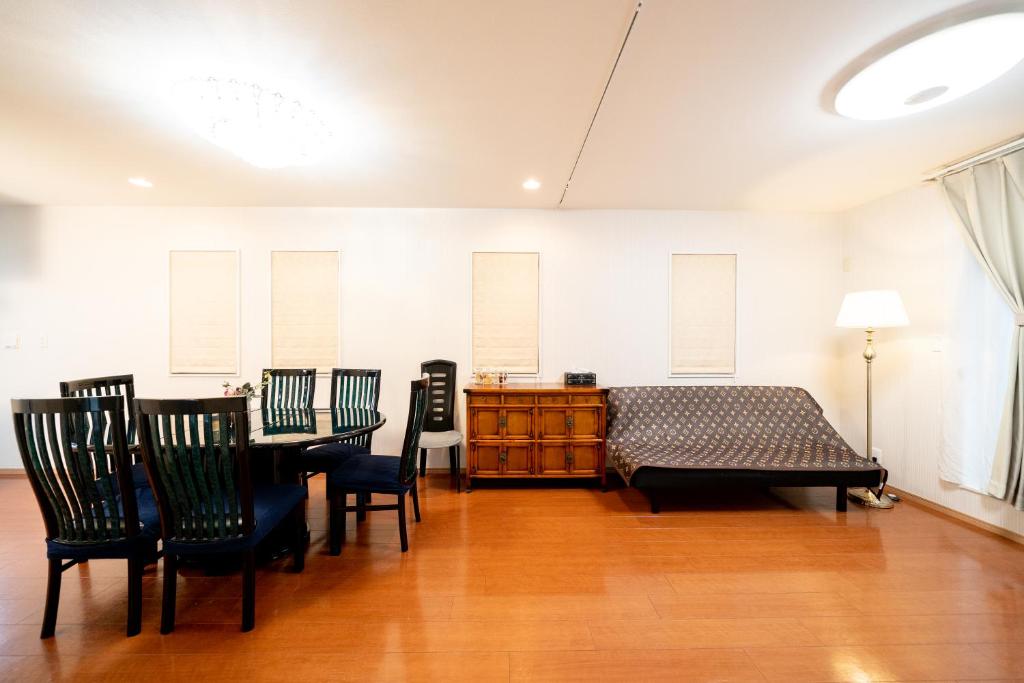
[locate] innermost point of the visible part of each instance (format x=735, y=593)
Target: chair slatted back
x=114, y=385
x=413, y=429
x=441, y=406
x=289, y=388
x=356, y=389
x=197, y=455
x=76, y=456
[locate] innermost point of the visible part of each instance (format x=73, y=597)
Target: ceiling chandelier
x=262, y=127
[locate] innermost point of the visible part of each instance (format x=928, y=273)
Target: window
x=506, y=311
x=204, y=312
x=702, y=313
x=304, y=309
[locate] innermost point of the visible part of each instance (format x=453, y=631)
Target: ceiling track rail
x=1002, y=149
x=597, y=110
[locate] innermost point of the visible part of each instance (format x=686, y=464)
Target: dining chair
x=196, y=452
x=351, y=389
x=439, y=429
x=288, y=388
x=75, y=453
x=113, y=385
x=384, y=474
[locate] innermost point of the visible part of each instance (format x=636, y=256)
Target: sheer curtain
x=988, y=200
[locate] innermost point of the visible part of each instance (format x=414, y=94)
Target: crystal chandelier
x=265, y=128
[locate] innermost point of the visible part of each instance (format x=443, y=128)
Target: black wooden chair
x=439, y=429
x=385, y=474
x=75, y=454
x=350, y=390
x=114, y=385
x=288, y=388
x=197, y=456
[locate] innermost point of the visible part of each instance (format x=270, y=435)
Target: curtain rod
x=1003, y=148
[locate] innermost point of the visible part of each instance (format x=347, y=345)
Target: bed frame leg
x=840, y=499
x=655, y=504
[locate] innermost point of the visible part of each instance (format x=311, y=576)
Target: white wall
x=909, y=242
x=93, y=283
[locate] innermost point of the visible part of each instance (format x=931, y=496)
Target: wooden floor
x=555, y=584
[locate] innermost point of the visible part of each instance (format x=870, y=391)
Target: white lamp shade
x=875, y=308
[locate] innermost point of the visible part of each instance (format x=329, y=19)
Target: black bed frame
x=655, y=481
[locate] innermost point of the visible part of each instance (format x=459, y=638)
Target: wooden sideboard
x=535, y=431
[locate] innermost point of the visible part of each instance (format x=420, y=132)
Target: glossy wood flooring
x=555, y=584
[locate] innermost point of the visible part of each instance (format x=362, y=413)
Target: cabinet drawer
x=484, y=399
x=518, y=400
x=587, y=399
x=553, y=400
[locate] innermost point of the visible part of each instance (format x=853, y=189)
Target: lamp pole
x=869, y=355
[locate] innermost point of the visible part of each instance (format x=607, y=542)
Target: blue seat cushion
x=139, y=478
x=272, y=504
x=143, y=544
x=326, y=458
x=373, y=473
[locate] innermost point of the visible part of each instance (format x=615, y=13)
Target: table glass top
x=281, y=427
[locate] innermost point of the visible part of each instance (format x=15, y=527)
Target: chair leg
x=360, y=507
x=337, y=522
x=52, y=599
x=248, y=590
x=456, y=467
x=415, y=503
x=299, y=537
x=135, y=565
x=402, y=533
x=170, y=593
x=423, y=462
x=840, y=499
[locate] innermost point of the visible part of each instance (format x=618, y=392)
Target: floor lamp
x=870, y=311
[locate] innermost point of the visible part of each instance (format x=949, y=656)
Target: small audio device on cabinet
x=576, y=378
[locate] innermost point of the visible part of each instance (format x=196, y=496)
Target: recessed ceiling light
x=265, y=128
x=140, y=182
x=531, y=184
x=935, y=69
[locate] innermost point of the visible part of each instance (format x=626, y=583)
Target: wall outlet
x=876, y=454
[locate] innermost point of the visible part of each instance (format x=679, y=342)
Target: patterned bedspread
x=723, y=427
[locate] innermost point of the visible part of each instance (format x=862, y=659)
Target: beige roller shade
x=506, y=311
x=304, y=309
x=703, y=310
x=204, y=312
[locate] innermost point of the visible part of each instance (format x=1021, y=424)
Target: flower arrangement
x=248, y=389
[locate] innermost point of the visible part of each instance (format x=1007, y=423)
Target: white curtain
x=988, y=200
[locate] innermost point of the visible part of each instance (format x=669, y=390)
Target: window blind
x=304, y=309
x=506, y=311
x=703, y=312
x=203, y=312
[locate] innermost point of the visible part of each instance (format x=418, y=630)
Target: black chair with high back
x=288, y=388
x=196, y=452
x=75, y=453
x=350, y=390
x=385, y=474
x=113, y=385
x=439, y=428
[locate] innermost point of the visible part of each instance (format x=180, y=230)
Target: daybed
x=669, y=437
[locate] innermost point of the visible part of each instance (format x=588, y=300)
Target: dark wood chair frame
x=295, y=383
x=42, y=414
x=234, y=412
x=445, y=420
x=111, y=385
x=407, y=476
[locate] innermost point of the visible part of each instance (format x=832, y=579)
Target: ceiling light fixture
x=531, y=184
x=140, y=182
x=265, y=128
x=935, y=69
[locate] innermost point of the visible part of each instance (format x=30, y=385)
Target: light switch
x=9, y=340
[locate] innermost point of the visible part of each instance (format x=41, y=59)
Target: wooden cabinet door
x=554, y=423
x=486, y=459
x=517, y=423
x=552, y=459
x=516, y=460
x=586, y=423
x=485, y=423
x=584, y=458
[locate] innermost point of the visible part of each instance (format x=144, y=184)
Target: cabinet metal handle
x=502, y=421
x=503, y=457
x=568, y=422
x=568, y=457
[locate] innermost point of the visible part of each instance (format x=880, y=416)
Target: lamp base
x=867, y=498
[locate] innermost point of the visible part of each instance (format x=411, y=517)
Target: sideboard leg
x=655, y=503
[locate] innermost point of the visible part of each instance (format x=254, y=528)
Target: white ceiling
x=715, y=104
